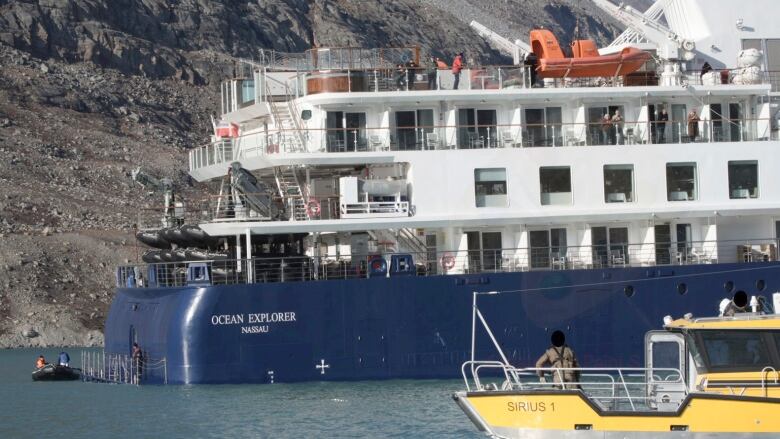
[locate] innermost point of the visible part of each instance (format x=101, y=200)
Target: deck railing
x=612, y=389
x=381, y=140
x=432, y=262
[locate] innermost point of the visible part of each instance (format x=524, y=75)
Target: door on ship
x=548, y=248
x=666, y=363
x=663, y=244
x=484, y=251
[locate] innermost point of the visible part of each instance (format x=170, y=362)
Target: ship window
x=618, y=183
x=743, y=179
x=345, y=131
x=735, y=350
x=247, y=92
x=414, y=129
x=543, y=126
x=477, y=128
x=681, y=182
x=555, y=183
x=490, y=187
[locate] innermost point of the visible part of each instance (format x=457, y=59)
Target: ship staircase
x=285, y=117
x=102, y=367
x=399, y=240
x=293, y=193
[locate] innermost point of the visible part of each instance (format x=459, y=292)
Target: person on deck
x=617, y=124
x=432, y=71
x=40, y=362
x=137, y=360
x=457, y=66
x=693, y=125
x=562, y=360
x=400, y=77
x=64, y=359
x=663, y=119
x=606, y=128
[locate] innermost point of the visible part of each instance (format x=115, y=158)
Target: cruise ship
x=357, y=198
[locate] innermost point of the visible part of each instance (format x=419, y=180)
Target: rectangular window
x=681, y=182
x=743, y=179
x=345, y=131
x=555, y=184
x=735, y=350
x=477, y=128
x=490, y=187
x=618, y=183
x=484, y=251
x=413, y=129
x=543, y=126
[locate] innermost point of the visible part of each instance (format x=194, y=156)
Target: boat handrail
x=606, y=386
x=764, y=375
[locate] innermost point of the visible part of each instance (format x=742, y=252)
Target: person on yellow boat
x=559, y=356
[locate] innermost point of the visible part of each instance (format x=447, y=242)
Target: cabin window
x=414, y=130
x=618, y=183
x=735, y=350
x=247, y=92
x=548, y=248
x=681, y=182
x=555, y=183
x=609, y=246
x=743, y=179
x=477, y=128
x=345, y=131
x=490, y=187
x=484, y=251
x=606, y=133
x=543, y=127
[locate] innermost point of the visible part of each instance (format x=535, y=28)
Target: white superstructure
x=512, y=175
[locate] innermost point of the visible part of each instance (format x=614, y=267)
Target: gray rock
x=30, y=333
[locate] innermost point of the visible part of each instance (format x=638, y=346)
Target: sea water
x=367, y=409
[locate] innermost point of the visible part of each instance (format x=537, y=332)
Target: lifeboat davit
x=586, y=62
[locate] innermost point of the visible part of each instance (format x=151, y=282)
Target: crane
x=516, y=50
x=647, y=26
x=172, y=210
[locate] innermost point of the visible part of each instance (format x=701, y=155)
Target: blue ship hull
x=410, y=327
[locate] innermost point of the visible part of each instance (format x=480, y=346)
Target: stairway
x=405, y=239
x=291, y=192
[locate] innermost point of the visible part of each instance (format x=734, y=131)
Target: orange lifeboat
x=586, y=62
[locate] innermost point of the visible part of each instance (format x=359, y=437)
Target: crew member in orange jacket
x=40, y=362
x=457, y=66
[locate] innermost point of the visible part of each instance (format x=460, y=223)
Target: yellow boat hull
x=564, y=414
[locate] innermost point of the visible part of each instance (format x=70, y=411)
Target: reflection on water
x=84, y=410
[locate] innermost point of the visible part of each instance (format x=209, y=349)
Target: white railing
x=375, y=209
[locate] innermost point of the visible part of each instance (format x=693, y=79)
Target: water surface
x=370, y=409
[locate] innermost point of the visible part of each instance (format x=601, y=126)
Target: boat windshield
x=734, y=351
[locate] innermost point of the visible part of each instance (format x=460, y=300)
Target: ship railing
x=103, y=367
x=418, y=136
x=612, y=389
x=344, y=266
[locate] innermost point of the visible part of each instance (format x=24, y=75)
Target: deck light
x=668, y=320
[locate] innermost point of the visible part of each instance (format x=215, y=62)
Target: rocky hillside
x=90, y=89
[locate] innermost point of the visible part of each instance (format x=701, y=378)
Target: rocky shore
x=91, y=89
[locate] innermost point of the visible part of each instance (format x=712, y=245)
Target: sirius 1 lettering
x=263, y=317
x=527, y=406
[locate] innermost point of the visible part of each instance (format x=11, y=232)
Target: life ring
x=313, y=207
x=447, y=261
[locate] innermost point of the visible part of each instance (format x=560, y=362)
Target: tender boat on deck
x=705, y=377
x=55, y=372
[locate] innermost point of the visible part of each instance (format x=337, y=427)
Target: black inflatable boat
x=54, y=372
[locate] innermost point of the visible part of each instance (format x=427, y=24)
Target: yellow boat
x=703, y=378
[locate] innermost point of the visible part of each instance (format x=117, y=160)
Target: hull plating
x=409, y=327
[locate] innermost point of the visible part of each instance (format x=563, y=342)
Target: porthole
x=628, y=290
x=760, y=285
x=682, y=288
x=306, y=114
x=729, y=286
